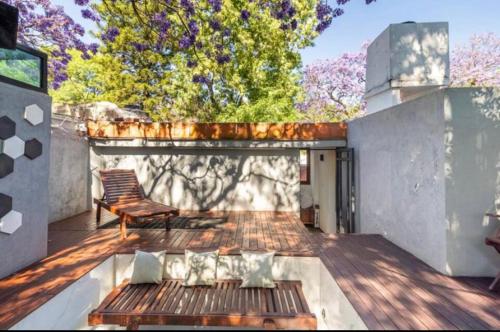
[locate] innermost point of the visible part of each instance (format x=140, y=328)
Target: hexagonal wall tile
x=33, y=148
x=13, y=147
x=5, y=204
x=7, y=127
x=6, y=165
x=11, y=222
x=33, y=114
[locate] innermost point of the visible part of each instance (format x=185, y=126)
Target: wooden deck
x=387, y=286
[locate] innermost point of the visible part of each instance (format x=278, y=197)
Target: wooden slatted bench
x=224, y=304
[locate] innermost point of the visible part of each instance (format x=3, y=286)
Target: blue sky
x=362, y=22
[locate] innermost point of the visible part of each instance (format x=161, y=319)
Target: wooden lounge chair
x=224, y=304
x=123, y=196
x=494, y=241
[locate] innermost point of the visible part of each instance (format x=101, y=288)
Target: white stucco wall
x=472, y=178
x=325, y=189
x=204, y=178
x=399, y=167
x=426, y=173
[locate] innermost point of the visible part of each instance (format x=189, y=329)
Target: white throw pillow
x=201, y=268
x=148, y=267
x=257, y=270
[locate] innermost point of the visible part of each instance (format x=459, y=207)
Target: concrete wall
x=207, y=178
x=69, y=181
x=472, y=177
x=28, y=184
x=399, y=175
x=426, y=173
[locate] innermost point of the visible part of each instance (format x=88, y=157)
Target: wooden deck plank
x=388, y=287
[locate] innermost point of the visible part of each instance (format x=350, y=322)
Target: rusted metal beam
x=216, y=131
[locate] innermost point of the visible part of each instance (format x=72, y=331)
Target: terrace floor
x=388, y=287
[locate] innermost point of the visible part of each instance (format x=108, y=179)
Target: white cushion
x=201, y=268
x=148, y=267
x=257, y=270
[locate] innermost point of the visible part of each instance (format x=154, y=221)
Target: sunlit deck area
x=388, y=287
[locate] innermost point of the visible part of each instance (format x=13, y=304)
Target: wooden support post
x=123, y=227
x=98, y=214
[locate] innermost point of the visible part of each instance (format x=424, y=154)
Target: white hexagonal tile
x=33, y=114
x=11, y=222
x=13, y=147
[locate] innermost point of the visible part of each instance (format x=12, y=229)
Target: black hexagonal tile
x=6, y=165
x=5, y=204
x=7, y=127
x=33, y=148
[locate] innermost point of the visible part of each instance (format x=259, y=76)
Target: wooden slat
x=186, y=302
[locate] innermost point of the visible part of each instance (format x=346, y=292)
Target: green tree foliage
x=93, y=80
x=238, y=67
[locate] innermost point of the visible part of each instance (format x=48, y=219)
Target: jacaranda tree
x=212, y=59
x=334, y=88
x=477, y=63
x=46, y=26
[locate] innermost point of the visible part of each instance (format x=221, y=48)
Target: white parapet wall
x=237, y=179
x=427, y=172
x=405, y=61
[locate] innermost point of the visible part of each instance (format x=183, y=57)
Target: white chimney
x=406, y=61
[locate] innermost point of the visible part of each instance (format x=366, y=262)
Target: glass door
x=345, y=191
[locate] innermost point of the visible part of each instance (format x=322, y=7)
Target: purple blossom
x=222, y=58
x=323, y=10
x=192, y=64
x=285, y=5
x=139, y=46
x=185, y=42
x=93, y=47
x=477, y=62
x=215, y=25
x=200, y=79
x=82, y=2
x=335, y=86
x=193, y=27
x=90, y=15
x=188, y=7
x=245, y=15
x=337, y=12
x=216, y=5
x=111, y=34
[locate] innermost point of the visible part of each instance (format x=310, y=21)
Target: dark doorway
x=345, y=191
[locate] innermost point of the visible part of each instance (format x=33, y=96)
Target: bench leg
x=98, y=214
x=495, y=282
x=167, y=222
x=123, y=227
x=269, y=324
x=133, y=326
